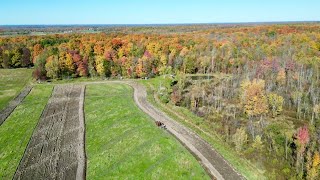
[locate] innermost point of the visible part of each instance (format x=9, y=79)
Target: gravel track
x=210, y=159
x=5, y=113
x=56, y=148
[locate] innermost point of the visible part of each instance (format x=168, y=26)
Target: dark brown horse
x=160, y=124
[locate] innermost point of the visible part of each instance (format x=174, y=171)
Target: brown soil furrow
x=56, y=148
x=46, y=142
x=44, y=160
x=5, y=113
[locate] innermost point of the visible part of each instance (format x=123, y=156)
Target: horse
x=161, y=124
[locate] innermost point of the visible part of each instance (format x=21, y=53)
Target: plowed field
x=56, y=148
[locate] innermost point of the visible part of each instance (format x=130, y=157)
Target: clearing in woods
x=56, y=148
x=123, y=142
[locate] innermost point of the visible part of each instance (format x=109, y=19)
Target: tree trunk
x=286, y=147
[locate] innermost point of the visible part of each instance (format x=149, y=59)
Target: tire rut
x=5, y=113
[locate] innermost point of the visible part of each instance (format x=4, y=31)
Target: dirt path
x=213, y=162
x=56, y=149
x=5, y=113
x=216, y=166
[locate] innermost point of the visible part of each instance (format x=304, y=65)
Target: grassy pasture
x=123, y=143
x=16, y=131
x=12, y=82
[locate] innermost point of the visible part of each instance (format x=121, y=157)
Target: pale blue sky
x=155, y=12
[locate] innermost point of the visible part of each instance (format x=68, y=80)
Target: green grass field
x=16, y=131
x=124, y=143
x=198, y=125
x=12, y=82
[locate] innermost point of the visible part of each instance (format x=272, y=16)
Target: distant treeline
x=262, y=99
x=227, y=49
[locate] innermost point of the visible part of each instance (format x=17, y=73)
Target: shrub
x=240, y=138
x=275, y=104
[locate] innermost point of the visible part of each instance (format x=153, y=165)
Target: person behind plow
x=161, y=124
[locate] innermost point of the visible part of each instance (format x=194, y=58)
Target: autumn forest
x=256, y=86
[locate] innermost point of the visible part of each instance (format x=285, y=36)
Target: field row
x=56, y=146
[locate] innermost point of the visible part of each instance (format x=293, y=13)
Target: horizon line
x=191, y=23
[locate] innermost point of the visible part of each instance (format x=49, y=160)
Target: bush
x=240, y=138
x=257, y=143
x=164, y=98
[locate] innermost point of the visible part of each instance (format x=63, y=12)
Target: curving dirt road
x=212, y=161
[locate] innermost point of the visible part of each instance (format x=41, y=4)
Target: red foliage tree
x=303, y=136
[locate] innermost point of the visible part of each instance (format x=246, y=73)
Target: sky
x=31, y=12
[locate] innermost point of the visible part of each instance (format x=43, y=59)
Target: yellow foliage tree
x=316, y=111
x=257, y=143
x=239, y=139
x=69, y=64
x=316, y=159
x=314, y=168
x=275, y=104
x=184, y=51
x=37, y=49
x=253, y=97
x=164, y=59
x=281, y=77
x=100, y=65
x=52, y=67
